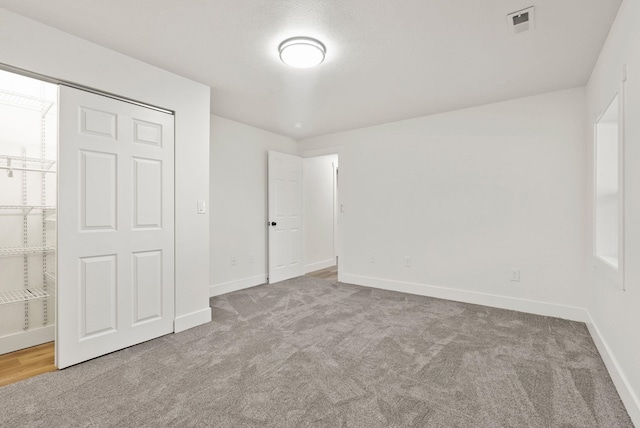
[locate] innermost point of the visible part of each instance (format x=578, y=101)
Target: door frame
x=334, y=150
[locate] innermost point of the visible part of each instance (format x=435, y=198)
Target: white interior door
x=285, y=217
x=115, y=226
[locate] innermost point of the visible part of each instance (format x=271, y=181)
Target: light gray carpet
x=308, y=352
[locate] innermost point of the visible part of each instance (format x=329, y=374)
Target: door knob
x=273, y=223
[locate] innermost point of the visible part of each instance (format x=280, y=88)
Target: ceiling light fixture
x=302, y=52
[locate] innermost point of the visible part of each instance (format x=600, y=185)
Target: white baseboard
x=572, y=313
x=194, y=319
x=626, y=392
x=312, y=267
x=27, y=339
x=238, y=284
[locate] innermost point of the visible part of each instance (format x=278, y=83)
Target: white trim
x=320, y=265
x=622, y=384
x=621, y=187
x=194, y=319
x=27, y=339
x=571, y=313
x=235, y=285
x=335, y=150
x=615, y=273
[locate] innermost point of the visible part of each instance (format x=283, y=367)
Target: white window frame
x=615, y=274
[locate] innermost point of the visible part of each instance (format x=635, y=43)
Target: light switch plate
x=202, y=207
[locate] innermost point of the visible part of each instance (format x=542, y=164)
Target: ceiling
x=386, y=60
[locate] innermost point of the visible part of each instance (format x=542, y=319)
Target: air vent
x=521, y=21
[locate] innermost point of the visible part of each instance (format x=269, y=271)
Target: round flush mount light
x=302, y=52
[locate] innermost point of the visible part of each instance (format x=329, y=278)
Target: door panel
x=147, y=278
x=98, y=182
x=115, y=226
x=285, y=209
x=98, y=289
x=147, y=185
x=99, y=123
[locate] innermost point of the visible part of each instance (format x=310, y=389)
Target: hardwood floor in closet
x=26, y=363
x=330, y=273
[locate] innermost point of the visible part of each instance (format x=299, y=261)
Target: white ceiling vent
x=521, y=21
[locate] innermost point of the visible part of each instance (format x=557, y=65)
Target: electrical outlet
x=251, y=258
x=407, y=261
x=515, y=275
x=234, y=261
x=372, y=259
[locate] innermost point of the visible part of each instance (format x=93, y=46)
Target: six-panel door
x=115, y=226
x=285, y=216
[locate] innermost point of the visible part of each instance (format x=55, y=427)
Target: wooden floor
x=330, y=273
x=26, y=363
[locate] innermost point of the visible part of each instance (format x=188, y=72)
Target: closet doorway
x=87, y=226
x=28, y=211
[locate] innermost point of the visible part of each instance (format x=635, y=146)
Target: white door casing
x=115, y=226
x=285, y=216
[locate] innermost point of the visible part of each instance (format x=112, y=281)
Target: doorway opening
x=321, y=215
x=28, y=214
x=303, y=213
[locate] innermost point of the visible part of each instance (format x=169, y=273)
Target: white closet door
x=285, y=217
x=115, y=226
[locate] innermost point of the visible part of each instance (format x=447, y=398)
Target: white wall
x=29, y=45
x=615, y=313
x=469, y=195
x=239, y=203
x=319, y=186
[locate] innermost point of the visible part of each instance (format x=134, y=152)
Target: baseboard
x=194, y=319
x=312, y=267
x=571, y=313
x=27, y=339
x=625, y=391
x=238, y=284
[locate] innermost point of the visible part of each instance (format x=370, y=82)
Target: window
x=608, y=187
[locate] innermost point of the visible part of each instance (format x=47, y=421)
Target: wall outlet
x=407, y=261
x=372, y=259
x=515, y=275
x=234, y=261
x=251, y=258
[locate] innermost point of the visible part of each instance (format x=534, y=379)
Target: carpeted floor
x=310, y=352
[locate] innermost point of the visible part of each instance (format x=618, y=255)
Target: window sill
x=611, y=262
x=609, y=266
